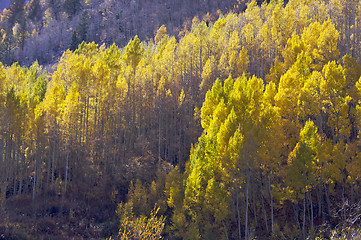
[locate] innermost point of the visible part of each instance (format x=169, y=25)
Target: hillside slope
x=246, y=126
x=43, y=30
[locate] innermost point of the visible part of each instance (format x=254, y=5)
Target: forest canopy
x=246, y=126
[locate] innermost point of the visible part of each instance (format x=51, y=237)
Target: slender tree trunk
x=21, y=179
x=254, y=207
x=319, y=198
x=271, y=198
x=238, y=216
x=327, y=201
x=34, y=181
x=304, y=217
x=246, y=209
x=124, y=137
x=225, y=229
x=53, y=166
x=86, y=121
x=159, y=132
x=48, y=171
x=296, y=210
x=343, y=201
x=311, y=208
x=66, y=171
x=264, y=213
x=115, y=141
x=320, y=123
x=133, y=101
x=15, y=171
x=352, y=187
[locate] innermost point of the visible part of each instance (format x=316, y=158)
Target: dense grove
x=43, y=29
x=244, y=127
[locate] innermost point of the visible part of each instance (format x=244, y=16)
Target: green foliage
x=139, y=228
x=261, y=100
x=303, y=161
x=133, y=52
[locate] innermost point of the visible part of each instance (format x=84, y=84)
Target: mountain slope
x=47, y=28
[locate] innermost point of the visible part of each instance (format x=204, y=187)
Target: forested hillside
x=246, y=126
x=43, y=29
